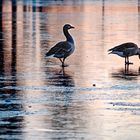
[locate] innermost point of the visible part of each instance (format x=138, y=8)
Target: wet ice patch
x=48, y=88
x=126, y=87
x=130, y=107
x=125, y=104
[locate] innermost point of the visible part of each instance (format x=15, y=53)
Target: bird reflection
x=126, y=73
x=63, y=108
x=60, y=78
x=62, y=84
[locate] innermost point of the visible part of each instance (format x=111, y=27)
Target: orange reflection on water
x=7, y=29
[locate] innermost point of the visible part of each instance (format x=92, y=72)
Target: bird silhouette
x=126, y=50
x=63, y=49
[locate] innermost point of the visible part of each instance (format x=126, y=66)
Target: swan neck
x=68, y=36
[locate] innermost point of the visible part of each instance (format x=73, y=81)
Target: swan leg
x=127, y=61
x=63, y=65
x=61, y=61
x=126, y=69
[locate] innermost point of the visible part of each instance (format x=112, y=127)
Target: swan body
x=126, y=50
x=63, y=49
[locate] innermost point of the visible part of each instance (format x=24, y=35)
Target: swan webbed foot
x=64, y=65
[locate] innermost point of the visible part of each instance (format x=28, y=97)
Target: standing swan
x=63, y=49
x=126, y=50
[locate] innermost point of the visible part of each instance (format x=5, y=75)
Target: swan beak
x=110, y=53
x=72, y=27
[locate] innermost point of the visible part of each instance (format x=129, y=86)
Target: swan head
x=68, y=26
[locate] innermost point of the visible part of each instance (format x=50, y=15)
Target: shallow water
x=94, y=97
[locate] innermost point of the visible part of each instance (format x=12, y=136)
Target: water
x=94, y=97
